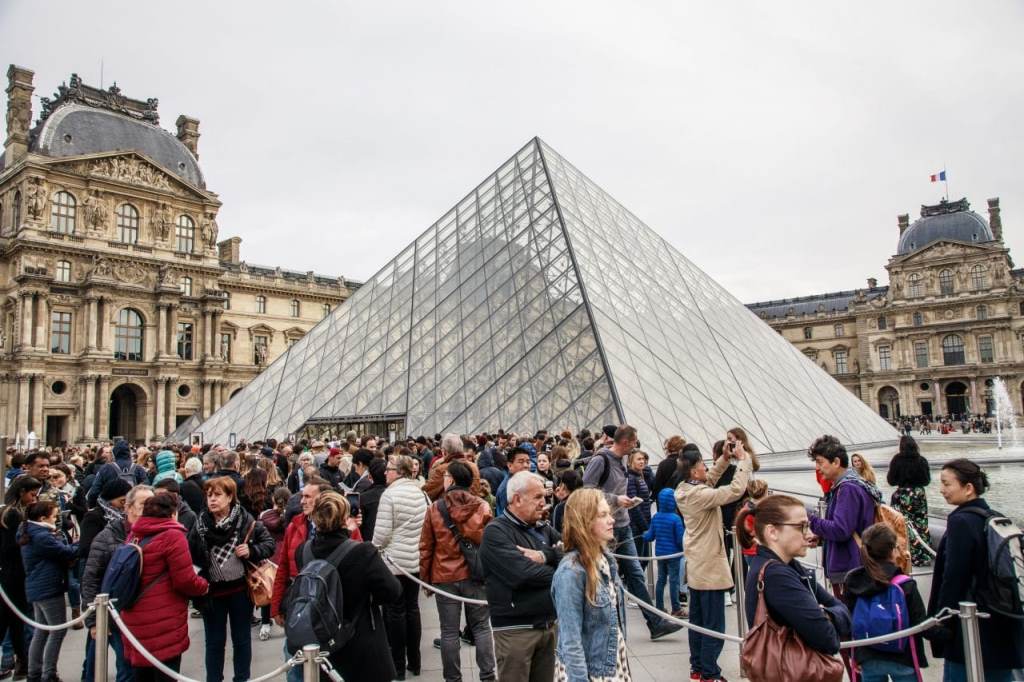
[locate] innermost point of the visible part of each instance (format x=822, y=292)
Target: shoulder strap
x=978, y=511
x=341, y=552
x=248, y=533
x=899, y=579
x=761, y=613
x=443, y=509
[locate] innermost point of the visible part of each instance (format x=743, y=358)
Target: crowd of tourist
x=536, y=543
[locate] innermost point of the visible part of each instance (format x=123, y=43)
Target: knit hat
x=267, y=452
x=609, y=430
x=122, y=450
x=165, y=461
x=115, y=489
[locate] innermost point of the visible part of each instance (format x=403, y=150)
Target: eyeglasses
x=390, y=469
x=804, y=527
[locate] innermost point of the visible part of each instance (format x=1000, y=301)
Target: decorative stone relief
x=163, y=220
x=130, y=272
x=35, y=198
x=101, y=268
x=209, y=230
x=95, y=212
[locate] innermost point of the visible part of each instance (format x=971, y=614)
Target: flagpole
x=945, y=180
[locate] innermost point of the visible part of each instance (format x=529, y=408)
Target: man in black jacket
x=519, y=558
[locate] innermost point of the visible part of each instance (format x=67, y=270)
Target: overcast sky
x=772, y=143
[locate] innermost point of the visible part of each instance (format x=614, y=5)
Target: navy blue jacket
x=111, y=470
x=796, y=599
x=46, y=558
x=963, y=554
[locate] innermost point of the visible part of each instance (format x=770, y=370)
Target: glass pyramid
x=539, y=301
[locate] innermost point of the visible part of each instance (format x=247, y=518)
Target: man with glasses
x=606, y=471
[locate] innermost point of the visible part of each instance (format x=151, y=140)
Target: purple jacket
x=851, y=509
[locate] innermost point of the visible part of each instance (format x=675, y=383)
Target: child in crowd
x=667, y=533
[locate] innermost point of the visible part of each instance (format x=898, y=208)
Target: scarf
x=111, y=514
x=852, y=476
x=221, y=539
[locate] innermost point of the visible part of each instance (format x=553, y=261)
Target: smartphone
x=636, y=500
x=353, y=502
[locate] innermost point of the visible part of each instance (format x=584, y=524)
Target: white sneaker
x=264, y=632
x=728, y=599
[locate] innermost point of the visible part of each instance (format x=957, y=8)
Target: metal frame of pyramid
x=540, y=302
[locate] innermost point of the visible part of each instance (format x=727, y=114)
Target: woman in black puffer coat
x=366, y=583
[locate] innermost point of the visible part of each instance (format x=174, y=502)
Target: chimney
x=904, y=222
x=994, y=221
x=230, y=251
x=872, y=282
x=19, y=113
x=188, y=133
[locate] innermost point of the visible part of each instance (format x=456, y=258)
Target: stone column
x=939, y=409
x=217, y=385
x=42, y=320
x=22, y=419
x=37, y=406
x=172, y=329
x=207, y=325
x=26, y=320
x=975, y=404
x=161, y=330
x=204, y=407
x=11, y=417
x=172, y=404
x=159, y=422
x=89, y=407
x=91, y=324
x=103, y=418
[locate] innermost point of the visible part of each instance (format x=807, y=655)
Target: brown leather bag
x=774, y=653
x=259, y=578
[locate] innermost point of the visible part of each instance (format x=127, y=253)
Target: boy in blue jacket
x=667, y=533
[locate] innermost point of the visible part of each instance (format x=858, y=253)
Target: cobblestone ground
x=662, y=661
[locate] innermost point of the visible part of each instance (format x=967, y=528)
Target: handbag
x=774, y=653
x=259, y=577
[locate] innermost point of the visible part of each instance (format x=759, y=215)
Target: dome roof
x=946, y=221
x=75, y=129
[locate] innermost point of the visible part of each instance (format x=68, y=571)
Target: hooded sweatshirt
x=850, y=509
x=165, y=467
x=666, y=525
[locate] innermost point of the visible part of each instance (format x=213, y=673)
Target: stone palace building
x=933, y=341
x=123, y=314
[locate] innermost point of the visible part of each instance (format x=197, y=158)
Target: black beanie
x=115, y=489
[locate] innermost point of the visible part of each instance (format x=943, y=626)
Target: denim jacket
x=587, y=633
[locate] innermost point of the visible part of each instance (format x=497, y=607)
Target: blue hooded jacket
x=46, y=558
x=666, y=526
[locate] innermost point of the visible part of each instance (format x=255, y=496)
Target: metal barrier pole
x=741, y=588
x=102, y=642
x=820, y=555
x=310, y=667
x=972, y=642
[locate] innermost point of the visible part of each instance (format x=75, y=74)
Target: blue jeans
x=707, y=609
x=957, y=672
x=668, y=570
x=875, y=670
x=295, y=672
x=124, y=670
x=631, y=573
x=236, y=609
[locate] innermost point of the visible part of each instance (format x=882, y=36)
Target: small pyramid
x=540, y=302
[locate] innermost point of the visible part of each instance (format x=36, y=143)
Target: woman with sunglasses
x=781, y=533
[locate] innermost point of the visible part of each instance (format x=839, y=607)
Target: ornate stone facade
x=122, y=314
x=933, y=341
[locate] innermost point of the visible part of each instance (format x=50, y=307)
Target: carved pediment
x=130, y=168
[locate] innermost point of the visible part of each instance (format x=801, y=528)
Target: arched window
x=128, y=335
x=295, y=307
x=186, y=286
x=952, y=350
x=979, y=278
x=185, y=234
x=16, y=212
x=981, y=312
x=914, y=286
x=127, y=224
x=261, y=304
x=839, y=330
x=62, y=212
x=918, y=319
x=946, y=282
x=63, y=271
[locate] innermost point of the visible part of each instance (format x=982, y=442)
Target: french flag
x=939, y=177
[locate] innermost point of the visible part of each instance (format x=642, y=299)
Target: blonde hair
x=581, y=508
x=868, y=474
x=330, y=512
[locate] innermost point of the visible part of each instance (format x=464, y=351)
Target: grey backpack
x=315, y=605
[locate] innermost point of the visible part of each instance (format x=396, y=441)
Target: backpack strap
x=340, y=553
x=898, y=581
x=442, y=507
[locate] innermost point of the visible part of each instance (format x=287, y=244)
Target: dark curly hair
x=831, y=449
x=908, y=469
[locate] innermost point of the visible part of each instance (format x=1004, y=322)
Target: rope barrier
x=944, y=614
x=432, y=588
x=917, y=538
x=157, y=663
x=679, y=621
x=649, y=558
x=42, y=626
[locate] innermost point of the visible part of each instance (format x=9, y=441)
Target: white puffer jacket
x=403, y=507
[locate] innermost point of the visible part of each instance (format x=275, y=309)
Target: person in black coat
x=792, y=595
x=963, y=554
x=366, y=585
x=21, y=493
x=192, y=486
x=110, y=507
x=667, y=467
x=369, y=501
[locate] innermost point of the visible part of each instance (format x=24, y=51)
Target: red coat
x=159, y=620
x=294, y=535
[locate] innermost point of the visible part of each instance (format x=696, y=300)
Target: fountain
x=1004, y=412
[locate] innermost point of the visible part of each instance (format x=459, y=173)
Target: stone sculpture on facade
x=35, y=198
x=209, y=230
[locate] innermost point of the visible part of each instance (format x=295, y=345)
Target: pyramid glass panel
x=540, y=302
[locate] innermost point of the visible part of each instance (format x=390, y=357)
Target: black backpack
x=1001, y=588
x=315, y=605
x=470, y=552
